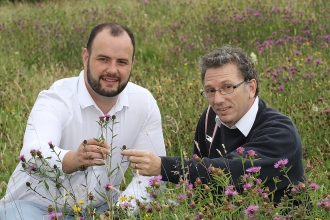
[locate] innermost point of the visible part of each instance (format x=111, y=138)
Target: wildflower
x=197, y=158
x=252, y=153
x=250, y=210
x=154, y=180
x=320, y=98
x=32, y=168
x=21, y=158
x=230, y=192
x=152, y=194
x=102, y=118
x=181, y=196
x=308, y=59
x=313, y=186
x=240, y=151
x=76, y=209
x=50, y=144
x=253, y=169
x=253, y=57
x=281, y=88
x=318, y=62
x=107, y=117
x=211, y=169
x=247, y=186
x=80, y=202
x=301, y=186
x=127, y=205
x=123, y=198
x=33, y=152
x=324, y=202
x=281, y=163
x=54, y=215
x=107, y=186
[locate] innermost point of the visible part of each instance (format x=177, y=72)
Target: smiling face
x=108, y=65
x=230, y=107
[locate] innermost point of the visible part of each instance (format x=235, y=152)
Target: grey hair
x=225, y=55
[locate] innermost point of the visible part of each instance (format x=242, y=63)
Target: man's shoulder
x=64, y=87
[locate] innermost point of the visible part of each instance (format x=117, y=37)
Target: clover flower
x=253, y=169
x=281, y=163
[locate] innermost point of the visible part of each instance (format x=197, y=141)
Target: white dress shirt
x=66, y=114
x=246, y=122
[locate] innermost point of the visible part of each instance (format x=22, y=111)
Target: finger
x=137, y=153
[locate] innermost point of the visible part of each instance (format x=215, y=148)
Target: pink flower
x=21, y=158
x=247, y=186
x=154, y=180
x=281, y=163
x=313, y=186
x=32, y=168
x=308, y=59
x=250, y=210
x=318, y=62
x=240, y=150
x=253, y=169
x=230, y=192
x=107, y=186
x=252, y=153
x=54, y=214
x=281, y=88
x=102, y=118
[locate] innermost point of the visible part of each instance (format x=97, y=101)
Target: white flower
x=254, y=57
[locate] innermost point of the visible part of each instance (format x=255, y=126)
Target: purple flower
x=32, y=168
x=127, y=204
x=181, y=196
x=102, y=118
x=281, y=163
x=54, y=214
x=250, y=210
x=253, y=169
x=240, y=150
x=248, y=186
x=107, y=186
x=313, y=186
x=324, y=202
x=252, y=153
x=309, y=59
x=318, y=62
x=297, y=53
x=107, y=117
x=21, y=158
x=320, y=98
x=230, y=192
x=154, y=180
x=33, y=152
x=281, y=88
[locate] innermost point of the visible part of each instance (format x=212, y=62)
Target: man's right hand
x=89, y=153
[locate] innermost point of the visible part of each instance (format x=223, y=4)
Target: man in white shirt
x=66, y=115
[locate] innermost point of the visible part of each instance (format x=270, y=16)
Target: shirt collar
x=246, y=122
x=86, y=100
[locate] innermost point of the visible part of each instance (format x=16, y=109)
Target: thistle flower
x=313, y=186
x=240, y=151
x=253, y=169
x=107, y=186
x=308, y=59
x=50, y=144
x=21, y=158
x=154, y=180
x=281, y=88
x=252, y=153
x=318, y=62
x=281, y=163
x=32, y=168
x=54, y=215
x=250, y=210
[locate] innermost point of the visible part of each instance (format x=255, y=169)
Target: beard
x=97, y=87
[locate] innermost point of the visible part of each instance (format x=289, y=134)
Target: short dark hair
x=228, y=54
x=115, y=30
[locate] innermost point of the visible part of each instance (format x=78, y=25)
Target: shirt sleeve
x=150, y=138
x=45, y=125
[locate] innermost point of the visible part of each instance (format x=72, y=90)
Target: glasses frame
x=203, y=93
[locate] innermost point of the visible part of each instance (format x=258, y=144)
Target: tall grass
x=42, y=42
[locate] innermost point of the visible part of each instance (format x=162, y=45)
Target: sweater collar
x=246, y=122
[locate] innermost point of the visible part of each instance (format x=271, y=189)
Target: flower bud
x=50, y=208
x=207, y=188
x=28, y=184
x=192, y=204
x=158, y=208
x=91, y=196
x=113, y=117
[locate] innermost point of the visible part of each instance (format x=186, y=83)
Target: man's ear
x=253, y=88
x=85, y=56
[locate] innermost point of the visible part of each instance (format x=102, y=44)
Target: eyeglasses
x=224, y=90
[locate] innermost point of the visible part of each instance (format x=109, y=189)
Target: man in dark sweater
x=244, y=126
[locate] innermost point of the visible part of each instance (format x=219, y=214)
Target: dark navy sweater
x=273, y=137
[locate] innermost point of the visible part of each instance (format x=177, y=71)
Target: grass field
x=42, y=42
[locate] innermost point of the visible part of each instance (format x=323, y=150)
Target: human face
x=108, y=65
x=230, y=107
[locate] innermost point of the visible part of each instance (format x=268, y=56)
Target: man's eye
x=210, y=91
x=227, y=86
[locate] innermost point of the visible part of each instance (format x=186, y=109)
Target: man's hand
x=143, y=161
x=89, y=153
